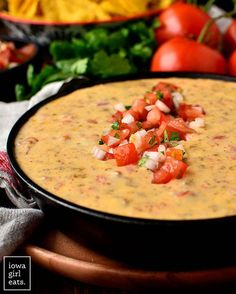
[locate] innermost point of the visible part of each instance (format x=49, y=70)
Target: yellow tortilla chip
x=81, y=10
x=29, y=8
x=14, y=6
x=49, y=10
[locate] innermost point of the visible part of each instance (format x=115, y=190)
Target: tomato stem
x=210, y=22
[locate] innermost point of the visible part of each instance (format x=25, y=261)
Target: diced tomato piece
x=147, y=125
x=149, y=140
x=117, y=116
x=179, y=125
x=139, y=107
x=161, y=130
x=163, y=86
x=109, y=156
x=126, y=154
x=190, y=112
x=161, y=176
x=135, y=114
x=5, y=58
x=120, y=135
x=175, y=153
x=23, y=54
x=132, y=127
x=150, y=98
x=167, y=98
x=171, y=169
x=154, y=116
x=166, y=89
x=166, y=118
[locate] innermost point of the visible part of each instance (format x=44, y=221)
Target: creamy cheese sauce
x=54, y=149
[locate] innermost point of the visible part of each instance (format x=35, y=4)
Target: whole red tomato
x=229, y=39
x=185, y=20
x=232, y=64
x=182, y=54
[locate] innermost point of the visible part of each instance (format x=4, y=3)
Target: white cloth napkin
x=17, y=224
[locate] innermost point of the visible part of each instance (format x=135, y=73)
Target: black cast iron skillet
x=158, y=244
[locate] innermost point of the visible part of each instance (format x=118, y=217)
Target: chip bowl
x=43, y=32
x=17, y=75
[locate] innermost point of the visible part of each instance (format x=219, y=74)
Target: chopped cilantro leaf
x=117, y=135
x=105, y=65
x=152, y=140
x=174, y=136
x=115, y=125
x=100, y=142
x=143, y=160
x=127, y=107
x=159, y=95
x=139, y=124
x=166, y=138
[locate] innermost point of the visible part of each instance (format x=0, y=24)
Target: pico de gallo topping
x=10, y=56
x=151, y=132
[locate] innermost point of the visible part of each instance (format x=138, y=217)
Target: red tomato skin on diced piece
x=171, y=169
x=126, y=154
x=117, y=116
x=179, y=125
x=132, y=127
x=23, y=54
x=149, y=140
x=161, y=176
x=162, y=86
x=166, y=89
x=119, y=134
x=139, y=107
x=5, y=58
x=161, y=130
x=109, y=156
x=150, y=98
x=146, y=125
x=135, y=114
x=154, y=116
x=190, y=112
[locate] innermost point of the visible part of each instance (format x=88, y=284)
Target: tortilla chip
x=14, y=6
x=49, y=10
x=29, y=8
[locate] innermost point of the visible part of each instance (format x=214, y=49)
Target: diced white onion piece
x=177, y=99
x=124, y=142
x=162, y=106
x=197, y=123
x=151, y=164
x=98, y=153
x=112, y=140
x=162, y=157
x=188, y=137
x=127, y=119
x=141, y=133
x=152, y=154
x=180, y=147
x=162, y=148
x=111, y=151
x=149, y=107
x=119, y=107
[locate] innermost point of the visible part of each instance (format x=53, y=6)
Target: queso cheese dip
x=54, y=149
